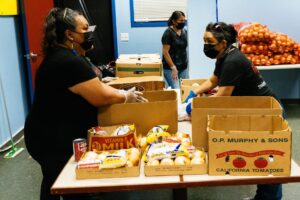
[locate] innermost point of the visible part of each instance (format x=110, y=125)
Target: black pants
x=51, y=169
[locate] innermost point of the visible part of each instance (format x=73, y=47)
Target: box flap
x=248, y=123
x=190, y=82
x=136, y=79
x=161, y=109
x=236, y=102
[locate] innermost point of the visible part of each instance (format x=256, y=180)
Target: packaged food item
x=123, y=130
x=164, y=150
x=184, y=138
x=157, y=133
x=114, y=159
x=79, y=148
x=98, y=130
x=159, y=129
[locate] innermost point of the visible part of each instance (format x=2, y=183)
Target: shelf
x=274, y=67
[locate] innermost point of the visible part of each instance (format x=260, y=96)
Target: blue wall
x=12, y=77
x=141, y=39
x=279, y=15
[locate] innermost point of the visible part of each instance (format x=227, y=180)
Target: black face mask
x=180, y=25
x=88, y=40
x=210, y=51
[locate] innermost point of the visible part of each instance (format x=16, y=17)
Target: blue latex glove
x=188, y=108
x=191, y=95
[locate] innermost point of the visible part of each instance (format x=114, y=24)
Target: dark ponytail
x=223, y=31
x=175, y=15
x=55, y=25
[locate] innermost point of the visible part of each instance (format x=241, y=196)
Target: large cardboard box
x=187, y=86
x=111, y=142
x=144, y=83
x=138, y=65
x=247, y=145
x=204, y=106
x=161, y=109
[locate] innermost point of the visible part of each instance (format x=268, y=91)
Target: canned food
x=79, y=148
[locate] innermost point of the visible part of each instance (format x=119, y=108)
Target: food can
x=79, y=148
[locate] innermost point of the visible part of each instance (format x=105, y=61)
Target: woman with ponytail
x=235, y=75
x=67, y=94
x=174, y=41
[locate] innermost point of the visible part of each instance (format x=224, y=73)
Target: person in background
x=174, y=41
x=235, y=75
x=67, y=94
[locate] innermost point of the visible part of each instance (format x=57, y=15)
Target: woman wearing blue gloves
x=235, y=75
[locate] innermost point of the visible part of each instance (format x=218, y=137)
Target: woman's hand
x=174, y=73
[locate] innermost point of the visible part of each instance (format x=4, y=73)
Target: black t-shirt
x=58, y=116
x=234, y=69
x=178, y=45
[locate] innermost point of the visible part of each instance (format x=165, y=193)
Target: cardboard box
x=96, y=173
x=110, y=142
x=145, y=83
x=187, y=86
x=249, y=145
x=138, y=65
x=161, y=109
x=242, y=105
x=138, y=56
x=175, y=170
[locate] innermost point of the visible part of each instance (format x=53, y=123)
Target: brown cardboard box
x=201, y=107
x=137, y=56
x=249, y=145
x=174, y=170
x=138, y=65
x=186, y=86
x=95, y=173
x=161, y=109
x=109, y=142
x=144, y=83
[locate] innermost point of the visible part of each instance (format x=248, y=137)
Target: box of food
x=242, y=105
x=144, y=83
x=249, y=145
x=189, y=84
x=171, y=154
x=112, y=137
x=161, y=109
x=109, y=164
x=138, y=65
